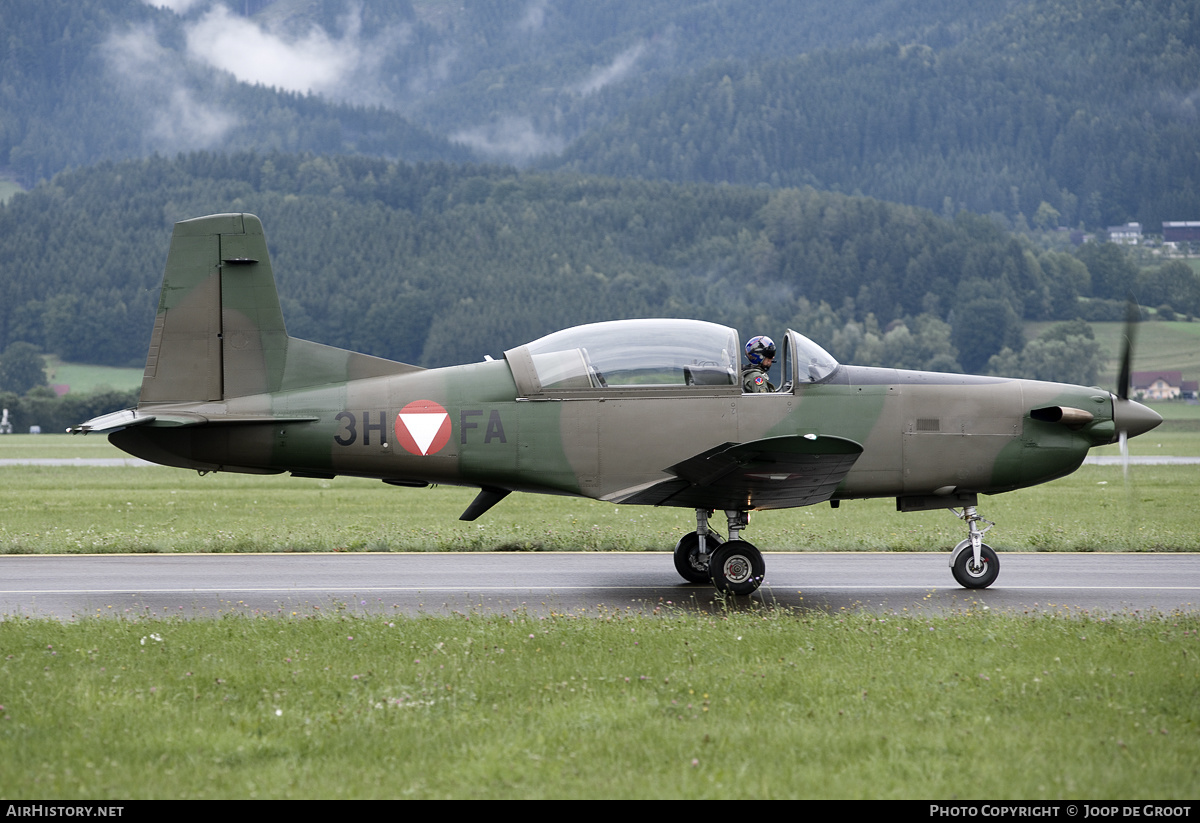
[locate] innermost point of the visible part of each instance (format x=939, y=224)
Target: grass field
x=1173, y=346
x=740, y=706
x=85, y=379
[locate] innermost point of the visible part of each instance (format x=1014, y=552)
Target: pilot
x=760, y=351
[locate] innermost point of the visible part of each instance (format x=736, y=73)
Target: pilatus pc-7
x=636, y=412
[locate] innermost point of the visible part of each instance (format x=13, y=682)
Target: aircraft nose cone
x=1133, y=418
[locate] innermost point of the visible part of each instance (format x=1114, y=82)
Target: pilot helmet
x=759, y=349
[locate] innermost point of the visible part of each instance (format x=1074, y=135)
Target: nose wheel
x=973, y=563
x=971, y=574
x=733, y=566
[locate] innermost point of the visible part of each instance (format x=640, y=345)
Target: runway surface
x=66, y=586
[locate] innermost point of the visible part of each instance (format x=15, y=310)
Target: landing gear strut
x=973, y=562
x=734, y=566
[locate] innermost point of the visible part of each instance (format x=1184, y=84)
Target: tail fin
x=219, y=331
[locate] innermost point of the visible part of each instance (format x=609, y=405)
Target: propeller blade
x=1124, y=440
x=1132, y=315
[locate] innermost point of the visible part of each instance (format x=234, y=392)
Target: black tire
x=972, y=578
x=687, y=554
x=737, y=568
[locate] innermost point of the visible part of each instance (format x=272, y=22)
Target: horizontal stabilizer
x=112, y=422
x=132, y=417
x=773, y=473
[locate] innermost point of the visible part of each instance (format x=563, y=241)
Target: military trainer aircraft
x=644, y=412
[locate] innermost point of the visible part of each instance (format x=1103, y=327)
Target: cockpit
x=659, y=356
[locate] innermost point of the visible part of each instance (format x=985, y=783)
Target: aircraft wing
x=773, y=473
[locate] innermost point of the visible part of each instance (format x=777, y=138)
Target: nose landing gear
x=973, y=562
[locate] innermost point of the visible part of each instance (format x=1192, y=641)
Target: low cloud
x=151, y=78
x=342, y=66
x=614, y=72
x=534, y=17
x=435, y=73
x=313, y=63
x=346, y=65
x=512, y=139
x=177, y=6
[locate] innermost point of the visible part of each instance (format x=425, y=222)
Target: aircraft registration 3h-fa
x=641, y=412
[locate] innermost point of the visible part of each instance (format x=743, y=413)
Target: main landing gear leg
x=733, y=566
x=693, y=552
x=973, y=562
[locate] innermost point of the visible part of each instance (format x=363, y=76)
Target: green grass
x=744, y=705
x=80, y=509
x=85, y=379
x=57, y=446
x=1173, y=438
x=1161, y=346
x=1176, y=412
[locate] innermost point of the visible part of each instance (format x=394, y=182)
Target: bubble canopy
x=647, y=354
x=667, y=352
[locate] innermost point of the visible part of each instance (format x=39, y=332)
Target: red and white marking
x=423, y=427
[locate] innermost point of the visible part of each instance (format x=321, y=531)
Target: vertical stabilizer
x=219, y=331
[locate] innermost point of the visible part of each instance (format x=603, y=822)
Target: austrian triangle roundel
x=423, y=427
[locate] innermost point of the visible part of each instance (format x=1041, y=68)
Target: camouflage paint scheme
x=226, y=389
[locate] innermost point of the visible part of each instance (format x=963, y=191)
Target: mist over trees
x=760, y=164
x=90, y=80
x=1058, y=112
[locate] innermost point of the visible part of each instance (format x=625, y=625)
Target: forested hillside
x=1054, y=112
x=437, y=264
x=1087, y=106
x=87, y=80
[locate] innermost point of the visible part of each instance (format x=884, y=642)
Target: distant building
x=1129, y=235
x=1181, y=232
x=1160, y=385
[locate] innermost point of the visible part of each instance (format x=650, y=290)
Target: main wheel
x=971, y=576
x=687, y=556
x=737, y=568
